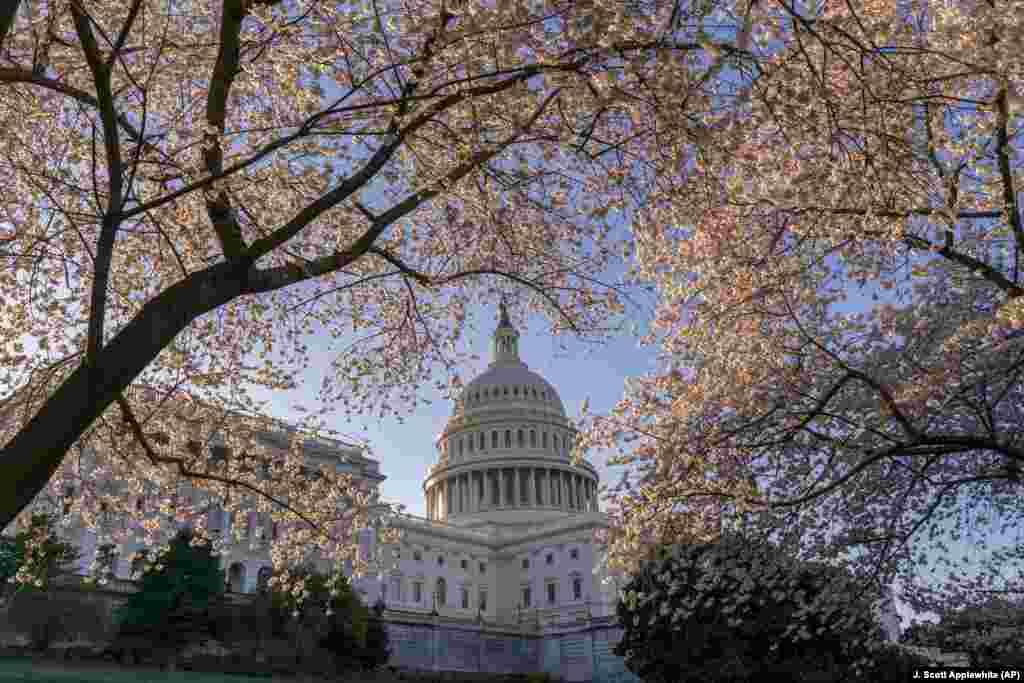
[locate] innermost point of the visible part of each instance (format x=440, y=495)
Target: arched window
x=504, y=390
x=519, y=438
x=483, y=440
x=263, y=579
x=494, y=439
x=508, y=438
x=544, y=440
x=442, y=592
x=515, y=391
x=533, y=438
x=236, y=577
x=470, y=443
x=460, y=445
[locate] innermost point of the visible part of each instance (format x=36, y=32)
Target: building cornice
x=498, y=539
x=440, y=471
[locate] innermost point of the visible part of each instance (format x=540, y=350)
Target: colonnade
x=511, y=487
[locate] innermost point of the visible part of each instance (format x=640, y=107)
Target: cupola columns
x=505, y=348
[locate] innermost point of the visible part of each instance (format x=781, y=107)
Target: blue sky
x=405, y=449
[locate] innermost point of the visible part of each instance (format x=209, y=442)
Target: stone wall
x=575, y=652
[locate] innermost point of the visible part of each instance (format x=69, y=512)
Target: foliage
x=837, y=255
x=178, y=596
x=738, y=609
x=377, y=649
x=52, y=616
x=35, y=556
x=893, y=664
x=365, y=171
x=990, y=634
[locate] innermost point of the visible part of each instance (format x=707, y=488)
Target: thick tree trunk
x=29, y=460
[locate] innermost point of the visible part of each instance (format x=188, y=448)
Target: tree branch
x=275, y=278
x=8, y=13
x=222, y=216
x=105, y=246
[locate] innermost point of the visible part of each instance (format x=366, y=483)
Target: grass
x=39, y=671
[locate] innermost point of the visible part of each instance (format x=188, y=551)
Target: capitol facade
x=510, y=521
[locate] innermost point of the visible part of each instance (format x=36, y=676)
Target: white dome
x=504, y=383
x=505, y=452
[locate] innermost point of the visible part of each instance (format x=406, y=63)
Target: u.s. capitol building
x=510, y=521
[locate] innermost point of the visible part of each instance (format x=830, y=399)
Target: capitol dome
x=508, y=380
x=504, y=454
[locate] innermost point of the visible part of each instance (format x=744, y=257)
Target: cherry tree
x=193, y=189
x=838, y=260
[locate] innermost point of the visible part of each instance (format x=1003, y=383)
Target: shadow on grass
x=38, y=670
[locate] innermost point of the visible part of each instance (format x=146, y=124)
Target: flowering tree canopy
x=838, y=259
x=194, y=188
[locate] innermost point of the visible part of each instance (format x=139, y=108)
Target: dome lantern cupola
x=505, y=347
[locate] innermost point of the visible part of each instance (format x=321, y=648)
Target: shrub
x=38, y=553
x=177, y=599
x=736, y=610
x=377, y=649
x=894, y=664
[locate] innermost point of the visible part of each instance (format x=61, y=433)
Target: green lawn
x=26, y=669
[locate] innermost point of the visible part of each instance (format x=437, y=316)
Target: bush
x=894, y=664
x=736, y=610
x=43, y=560
x=177, y=600
x=377, y=649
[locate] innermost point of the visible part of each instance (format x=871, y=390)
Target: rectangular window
x=552, y=593
x=551, y=558
x=384, y=591
x=574, y=554
x=396, y=589
x=464, y=564
x=526, y=596
x=577, y=589
x=483, y=568
x=465, y=598
x=526, y=564
x=483, y=600
x=417, y=592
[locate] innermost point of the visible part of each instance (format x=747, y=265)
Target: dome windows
x=519, y=438
x=483, y=440
x=494, y=439
x=508, y=438
x=533, y=438
x=544, y=440
x=515, y=391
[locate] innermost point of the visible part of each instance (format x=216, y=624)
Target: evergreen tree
x=177, y=598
